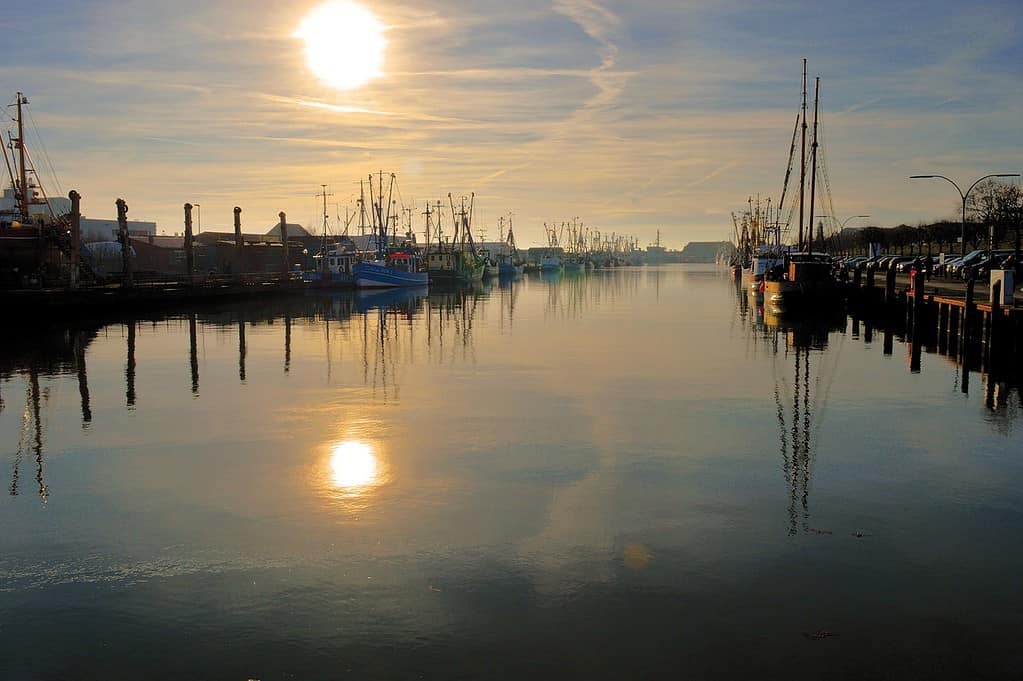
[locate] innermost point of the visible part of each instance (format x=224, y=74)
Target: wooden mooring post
x=953, y=331
x=76, y=236
x=284, y=239
x=189, y=252
x=889, y=286
x=122, y=236
x=993, y=325
x=943, y=313
x=969, y=310
x=238, y=241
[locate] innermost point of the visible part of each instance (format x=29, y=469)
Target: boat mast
x=323, y=237
x=813, y=171
x=362, y=209
x=390, y=194
x=23, y=198
x=468, y=224
x=802, y=160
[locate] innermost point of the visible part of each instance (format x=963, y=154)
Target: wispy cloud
x=635, y=116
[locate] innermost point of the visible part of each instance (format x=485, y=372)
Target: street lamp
x=962, y=243
x=846, y=221
x=851, y=217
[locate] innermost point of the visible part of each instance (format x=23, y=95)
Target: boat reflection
x=803, y=376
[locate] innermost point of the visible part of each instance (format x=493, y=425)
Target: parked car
x=971, y=258
x=873, y=262
x=944, y=270
x=852, y=261
x=982, y=268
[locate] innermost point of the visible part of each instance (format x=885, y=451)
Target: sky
x=632, y=117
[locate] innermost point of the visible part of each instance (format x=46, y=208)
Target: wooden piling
x=76, y=237
x=953, y=330
x=889, y=286
x=122, y=236
x=239, y=242
x=918, y=305
x=189, y=251
x=969, y=310
x=284, y=239
x=943, y=312
x=993, y=325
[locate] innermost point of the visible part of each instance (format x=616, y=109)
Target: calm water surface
x=632, y=474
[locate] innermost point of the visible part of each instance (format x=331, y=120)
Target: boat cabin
x=809, y=267
x=406, y=262
x=338, y=260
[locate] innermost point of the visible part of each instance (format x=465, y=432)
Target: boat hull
x=380, y=298
x=328, y=280
x=511, y=270
x=801, y=296
x=468, y=275
x=372, y=275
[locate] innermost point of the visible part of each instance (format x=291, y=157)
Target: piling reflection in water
x=129, y=367
x=49, y=354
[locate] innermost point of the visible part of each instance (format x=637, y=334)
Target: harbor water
x=633, y=473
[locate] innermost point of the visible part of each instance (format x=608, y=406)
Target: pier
x=145, y=294
x=971, y=322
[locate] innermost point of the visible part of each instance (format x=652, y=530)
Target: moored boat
x=456, y=261
x=396, y=266
x=510, y=263
x=806, y=283
x=395, y=269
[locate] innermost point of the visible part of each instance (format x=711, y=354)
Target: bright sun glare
x=353, y=464
x=344, y=44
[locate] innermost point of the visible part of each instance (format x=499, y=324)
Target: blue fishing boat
x=399, y=268
x=396, y=265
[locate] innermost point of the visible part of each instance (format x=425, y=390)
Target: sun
x=344, y=44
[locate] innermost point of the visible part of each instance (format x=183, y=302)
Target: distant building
x=94, y=229
x=295, y=231
x=58, y=204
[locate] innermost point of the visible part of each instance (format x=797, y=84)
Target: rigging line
x=788, y=170
x=42, y=190
x=46, y=155
x=831, y=373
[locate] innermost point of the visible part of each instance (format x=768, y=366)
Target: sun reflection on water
x=354, y=465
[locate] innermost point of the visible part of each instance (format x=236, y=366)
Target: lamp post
x=962, y=243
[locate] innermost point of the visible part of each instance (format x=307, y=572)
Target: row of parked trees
x=992, y=204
